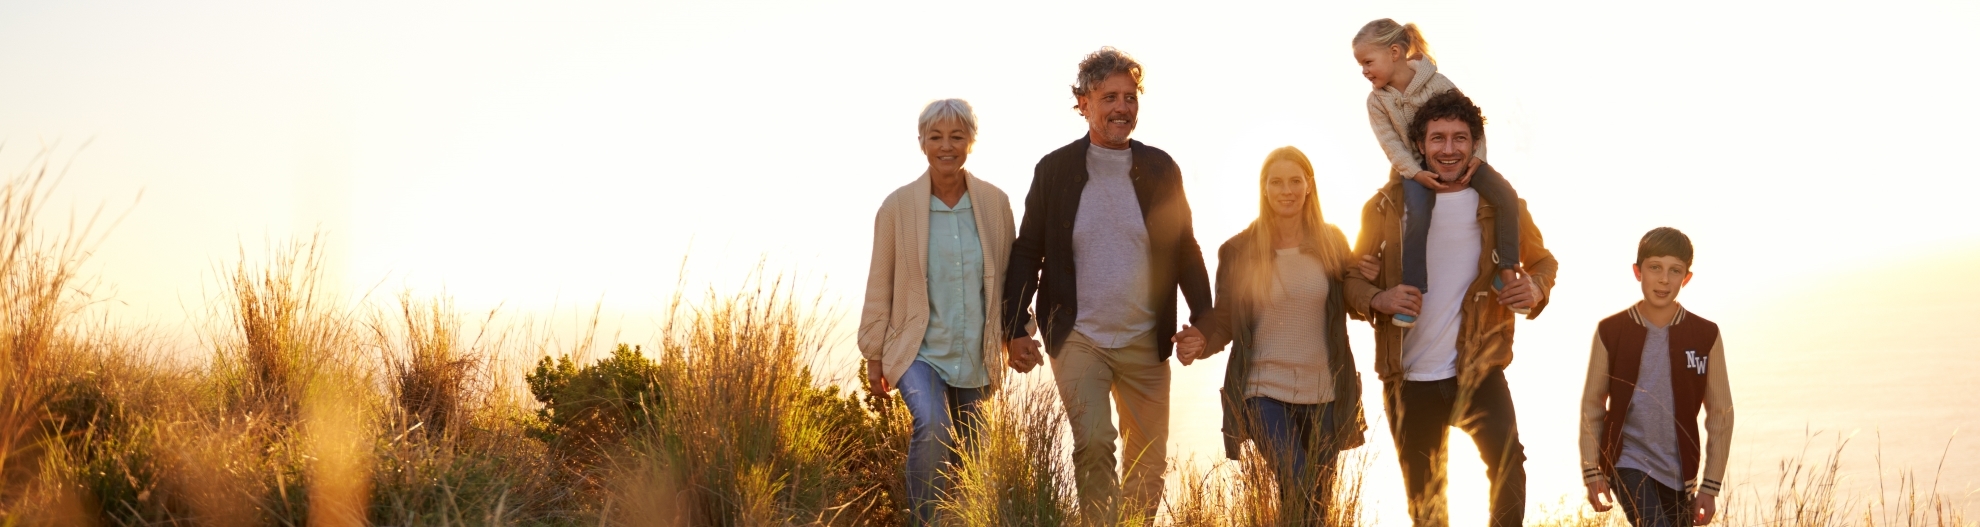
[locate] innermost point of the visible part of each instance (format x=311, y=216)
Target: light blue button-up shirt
x=954, y=342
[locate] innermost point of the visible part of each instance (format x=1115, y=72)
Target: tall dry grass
x=310, y=408
x=1018, y=470
x=1245, y=492
x=739, y=432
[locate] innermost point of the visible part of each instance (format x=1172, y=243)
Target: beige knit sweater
x=1390, y=111
x=895, y=316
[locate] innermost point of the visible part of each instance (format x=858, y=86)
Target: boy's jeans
x=1418, y=204
x=938, y=410
x=1648, y=503
x=1299, y=442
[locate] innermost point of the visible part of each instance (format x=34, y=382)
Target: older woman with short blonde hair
x=940, y=244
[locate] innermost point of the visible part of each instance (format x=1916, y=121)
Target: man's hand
x=1189, y=344
x=1429, y=180
x=1703, y=508
x=1398, y=300
x=1021, y=354
x=876, y=379
x=1521, y=293
x=1369, y=266
x=1599, y=496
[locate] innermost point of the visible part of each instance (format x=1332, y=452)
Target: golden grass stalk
x=1017, y=470
x=40, y=291
x=739, y=424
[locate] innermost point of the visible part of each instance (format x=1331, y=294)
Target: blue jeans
x=937, y=409
x=1299, y=442
x=1418, y=204
x=1648, y=503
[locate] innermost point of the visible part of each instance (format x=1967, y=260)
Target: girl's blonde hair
x=1329, y=244
x=1386, y=32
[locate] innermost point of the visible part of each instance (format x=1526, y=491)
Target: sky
x=549, y=158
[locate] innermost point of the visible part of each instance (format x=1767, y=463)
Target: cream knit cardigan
x=1390, y=111
x=895, y=316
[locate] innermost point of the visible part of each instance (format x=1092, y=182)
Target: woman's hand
x=1369, y=266
x=876, y=379
x=1021, y=354
x=1189, y=344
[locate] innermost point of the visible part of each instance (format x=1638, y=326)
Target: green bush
x=587, y=410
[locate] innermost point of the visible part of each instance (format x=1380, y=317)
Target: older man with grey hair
x=1105, y=242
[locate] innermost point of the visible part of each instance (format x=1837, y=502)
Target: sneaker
x=1499, y=284
x=1402, y=321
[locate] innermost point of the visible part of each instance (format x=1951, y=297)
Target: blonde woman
x=1290, y=386
x=939, y=246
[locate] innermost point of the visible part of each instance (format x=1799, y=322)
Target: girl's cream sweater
x=1390, y=111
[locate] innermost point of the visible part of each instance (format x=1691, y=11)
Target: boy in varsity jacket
x=1653, y=367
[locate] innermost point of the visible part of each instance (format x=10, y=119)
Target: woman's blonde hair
x=1386, y=32
x=1328, y=243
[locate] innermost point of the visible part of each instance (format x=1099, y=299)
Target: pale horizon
x=552, y=158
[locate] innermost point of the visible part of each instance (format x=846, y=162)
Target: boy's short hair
x=1447, y=105
x=1664, y=241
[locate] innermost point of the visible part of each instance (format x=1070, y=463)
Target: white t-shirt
x=1451, y=258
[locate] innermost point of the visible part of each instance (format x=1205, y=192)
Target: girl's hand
x=876, y=379
x=1470, y=167
x=1429, y=180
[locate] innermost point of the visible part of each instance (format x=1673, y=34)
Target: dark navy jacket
x=1042, y=257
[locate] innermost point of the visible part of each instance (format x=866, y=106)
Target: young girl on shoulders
x=1396, y=61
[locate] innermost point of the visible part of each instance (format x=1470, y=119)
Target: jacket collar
x=925, y=185
x=1638, y=317
x=1392, y=196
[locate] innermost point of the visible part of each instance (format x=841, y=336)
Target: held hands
x=1189, y=344
x=1021, y=354
x=1703, y=508
x=1599, y=496
x=876, y=379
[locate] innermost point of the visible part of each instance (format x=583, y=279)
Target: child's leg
x=1642, y=502
x=1417, y=204
x=1505, y=225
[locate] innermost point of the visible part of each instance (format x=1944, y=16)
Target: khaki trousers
x=1139, y=382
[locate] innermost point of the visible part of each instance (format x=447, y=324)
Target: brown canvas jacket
x=1485, y=333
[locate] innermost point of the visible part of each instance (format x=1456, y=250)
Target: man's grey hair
x=947, y=109
x=1102, y=64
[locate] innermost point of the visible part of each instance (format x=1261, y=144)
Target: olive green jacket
x=1231, y=322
